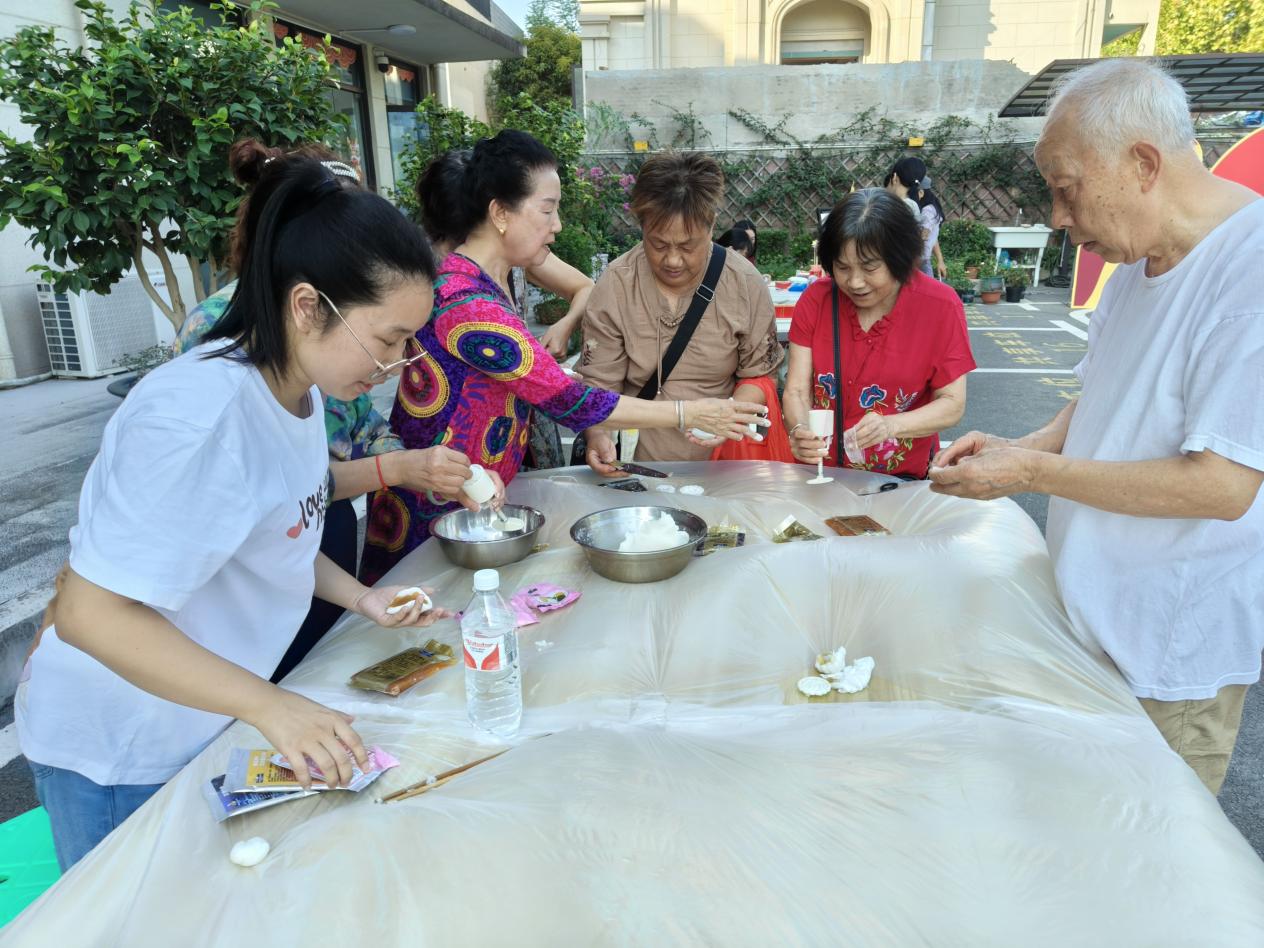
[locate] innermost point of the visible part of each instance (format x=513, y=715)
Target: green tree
x=130, y=136
x=544, y=74
x=563, y=13
x=1210, y=26
x=557, y=126
x=1201, y=26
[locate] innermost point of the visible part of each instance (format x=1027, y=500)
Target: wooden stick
x=438, y=779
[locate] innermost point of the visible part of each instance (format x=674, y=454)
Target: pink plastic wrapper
x=540, y=597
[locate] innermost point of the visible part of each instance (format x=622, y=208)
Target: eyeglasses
x=383, y=372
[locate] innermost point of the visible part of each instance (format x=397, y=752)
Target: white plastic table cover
x=995, y=785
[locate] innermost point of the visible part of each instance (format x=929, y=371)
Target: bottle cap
x=485, y=580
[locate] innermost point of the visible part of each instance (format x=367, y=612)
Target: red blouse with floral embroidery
x=919, y=347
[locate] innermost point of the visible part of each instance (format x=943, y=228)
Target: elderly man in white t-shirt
x=1155, y=525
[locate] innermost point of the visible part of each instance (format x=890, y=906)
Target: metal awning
x=1214, y=83
x=445, y=32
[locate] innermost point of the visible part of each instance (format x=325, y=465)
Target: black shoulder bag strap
x=702, y=298
x=838, y=380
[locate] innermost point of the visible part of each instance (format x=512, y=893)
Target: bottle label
x=484, y=653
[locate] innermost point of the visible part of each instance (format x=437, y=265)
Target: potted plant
x=968, y=241
x=1016, y=282
x=550, y=309
x=991, y=284
x=958, y=280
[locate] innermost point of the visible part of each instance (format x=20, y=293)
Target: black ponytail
x=302, y=226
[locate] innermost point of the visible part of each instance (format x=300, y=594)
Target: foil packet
x=723, y=536
x=790, y=530
x=395, y=675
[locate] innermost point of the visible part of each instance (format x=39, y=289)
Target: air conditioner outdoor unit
x=88, y=334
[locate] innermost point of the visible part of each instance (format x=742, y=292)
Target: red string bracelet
x=377, y=459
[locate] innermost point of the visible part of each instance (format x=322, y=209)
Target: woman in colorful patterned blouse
x=478, y=371
x=363, y=452
x=905, y=350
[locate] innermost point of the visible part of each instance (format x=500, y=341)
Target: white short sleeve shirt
x=205, y=502
x=1175, y=364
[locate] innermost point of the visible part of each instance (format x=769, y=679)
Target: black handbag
x=702, y=298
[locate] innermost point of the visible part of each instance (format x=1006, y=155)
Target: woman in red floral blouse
x=905, y=350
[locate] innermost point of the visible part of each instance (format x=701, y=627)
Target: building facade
x=673, y=34
x=387, y=56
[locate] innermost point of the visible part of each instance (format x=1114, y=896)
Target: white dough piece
x=666, y=488
x=650, y=536
x=422, y=600
x=542, y=644
x=249, y=852
x=855, y=677
x=694, y=490
x=511, y=524
x=814, y=686
x=703, y=435
x=832, y=663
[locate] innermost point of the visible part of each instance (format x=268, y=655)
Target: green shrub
x=968, y=241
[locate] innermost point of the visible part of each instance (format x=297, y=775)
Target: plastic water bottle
x=489, y=633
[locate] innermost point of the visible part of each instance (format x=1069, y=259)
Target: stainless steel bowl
x=599, y=535
x=450, y=529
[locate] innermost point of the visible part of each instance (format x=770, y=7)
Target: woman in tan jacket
x=640, y=301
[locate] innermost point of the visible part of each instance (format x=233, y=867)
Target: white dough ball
x=249, y=852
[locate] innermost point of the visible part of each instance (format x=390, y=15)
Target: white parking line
x=1073, y=330
x=1029, y=371
x=1026, y=305
x=1079, y=317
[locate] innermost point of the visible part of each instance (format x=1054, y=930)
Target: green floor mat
x=28, y=864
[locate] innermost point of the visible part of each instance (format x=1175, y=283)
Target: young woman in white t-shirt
x=196, y=551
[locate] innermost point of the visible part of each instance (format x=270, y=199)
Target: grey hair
x=1119, y=102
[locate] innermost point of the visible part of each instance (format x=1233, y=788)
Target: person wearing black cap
x=909, y=180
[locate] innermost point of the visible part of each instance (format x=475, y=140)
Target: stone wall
x=817, y=99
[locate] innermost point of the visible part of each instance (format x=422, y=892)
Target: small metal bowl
x=599, y=535
x=450, y=529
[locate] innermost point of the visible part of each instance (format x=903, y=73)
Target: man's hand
x=968, y=445
x=984, y=473
x=601, y=453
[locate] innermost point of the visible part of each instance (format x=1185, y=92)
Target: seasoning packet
x=790, y=529
x=225, y=805
x=723, y=536
x=856, y=527
x=395, y=675
x=256, y=771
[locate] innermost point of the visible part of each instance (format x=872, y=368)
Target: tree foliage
x=1210, y=26
x=556, y=125
x=129, y=138
x=545, y=73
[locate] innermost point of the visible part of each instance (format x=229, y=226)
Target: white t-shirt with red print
x=205, y=502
